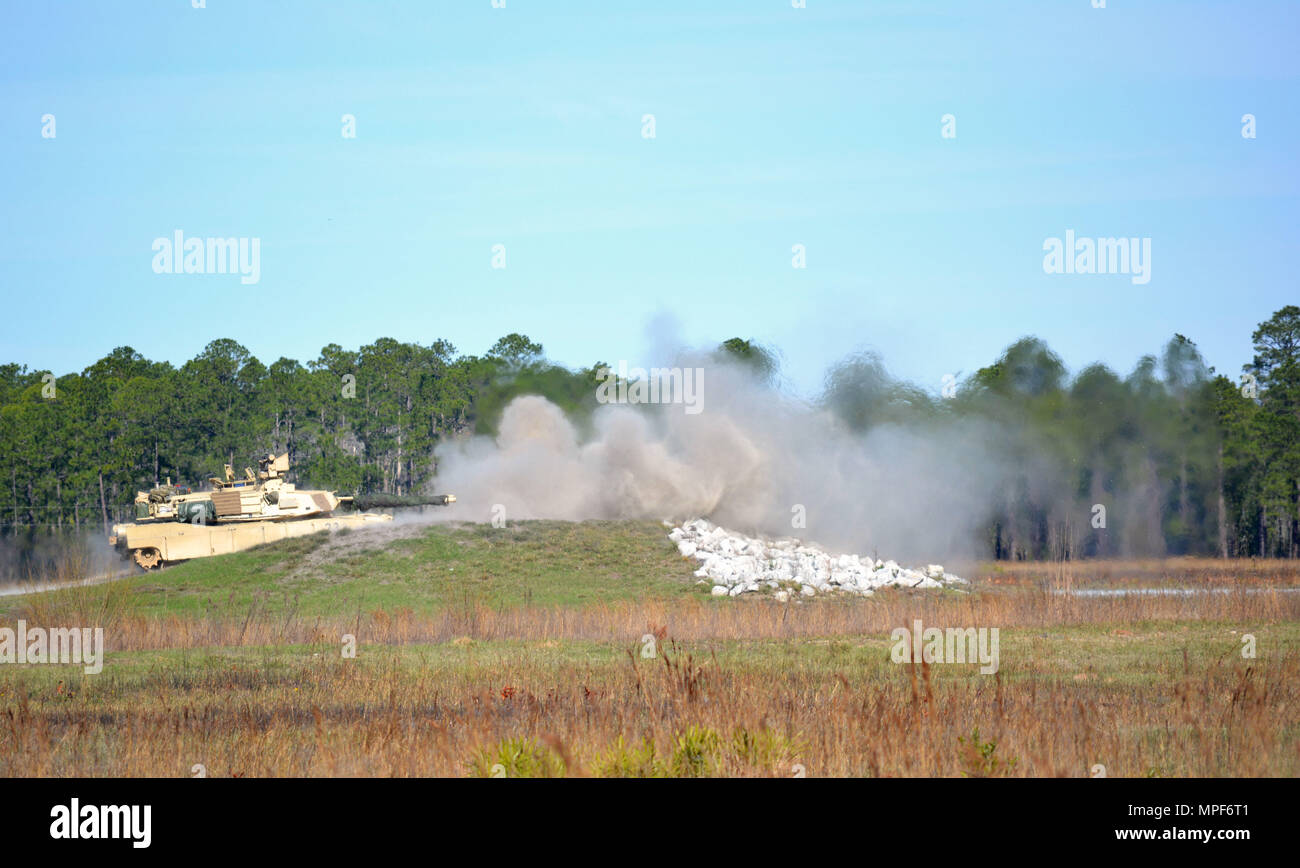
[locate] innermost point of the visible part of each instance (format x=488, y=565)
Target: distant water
x=1168, y=592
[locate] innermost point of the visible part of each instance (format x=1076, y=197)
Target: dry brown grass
x=449, y=714
x=1141, y=685
x=687, y=619
x=1178, y=572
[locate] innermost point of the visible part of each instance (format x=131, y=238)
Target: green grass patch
x=539, y=563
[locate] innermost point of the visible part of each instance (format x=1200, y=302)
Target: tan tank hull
x=156, y=543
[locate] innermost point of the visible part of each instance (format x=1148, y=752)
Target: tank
x=173, y=523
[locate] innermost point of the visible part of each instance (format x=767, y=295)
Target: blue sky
x=522, y=126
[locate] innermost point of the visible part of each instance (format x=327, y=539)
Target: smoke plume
x=754, y=459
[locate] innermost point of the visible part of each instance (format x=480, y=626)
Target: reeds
x=687, y=620
x=749, y=687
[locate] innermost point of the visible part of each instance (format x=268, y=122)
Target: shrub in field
x=979, y=760
x=764, y=749
x=622, y=761
x=517, y=758
x=696, y=753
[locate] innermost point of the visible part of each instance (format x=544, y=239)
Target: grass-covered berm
x=551, y=648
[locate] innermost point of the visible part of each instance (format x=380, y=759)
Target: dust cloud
x=754, y=460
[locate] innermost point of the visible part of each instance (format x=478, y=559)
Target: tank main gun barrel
x=399, y=501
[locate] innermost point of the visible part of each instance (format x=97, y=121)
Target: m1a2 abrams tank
x=176, y=524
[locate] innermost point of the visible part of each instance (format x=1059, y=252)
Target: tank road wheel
x=148, y=559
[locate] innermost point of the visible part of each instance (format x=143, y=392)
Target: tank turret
x=267, y=496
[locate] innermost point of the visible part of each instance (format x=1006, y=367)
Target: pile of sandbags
x=736, y=564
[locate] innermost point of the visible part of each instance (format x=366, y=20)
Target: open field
x=423, y=568
x=520, y=651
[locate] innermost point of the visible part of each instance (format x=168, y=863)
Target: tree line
x=1173, y=458
x=76, y=448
